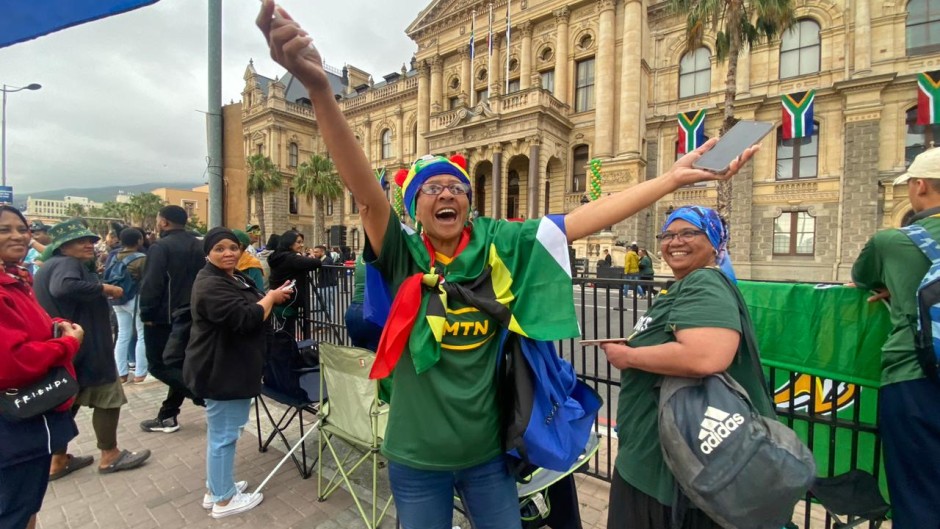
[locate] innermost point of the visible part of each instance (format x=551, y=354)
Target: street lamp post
x=3, y=153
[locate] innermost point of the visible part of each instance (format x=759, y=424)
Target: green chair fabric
x=354, y=415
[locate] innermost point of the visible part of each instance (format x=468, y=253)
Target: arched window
x=923, y=26
x=798, y=157
x=695, y=73
x=800, y=49
x=386, y=144
x=579, y=160
x=292, y=155
x=919, y=137
x=512, y=195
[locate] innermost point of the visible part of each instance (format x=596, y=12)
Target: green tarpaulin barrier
x=829, y=331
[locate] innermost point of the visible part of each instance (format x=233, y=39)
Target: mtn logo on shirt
x=717, y=426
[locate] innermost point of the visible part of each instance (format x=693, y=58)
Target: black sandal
x=75, y=463
x=126, y=461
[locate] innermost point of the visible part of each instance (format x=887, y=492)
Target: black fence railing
x=842, y=436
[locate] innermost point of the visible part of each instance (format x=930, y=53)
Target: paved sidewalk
x=167, y=491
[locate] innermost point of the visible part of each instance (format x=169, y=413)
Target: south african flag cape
x=798, y=114
x=691, y=130
x=928, y=98
x=517, y=271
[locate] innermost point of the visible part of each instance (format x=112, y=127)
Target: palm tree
x=143, y=209
x=317, y=179
x=734, y=23
x=263, y=177
x=75, y=209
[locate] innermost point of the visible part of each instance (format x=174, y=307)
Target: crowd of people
x=194, y=312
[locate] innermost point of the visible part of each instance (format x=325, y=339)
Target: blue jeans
x=225, y=420
x=425, y=498
x=126, y=323
x=328, y=295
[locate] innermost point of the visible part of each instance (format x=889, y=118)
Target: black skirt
x=630, y=508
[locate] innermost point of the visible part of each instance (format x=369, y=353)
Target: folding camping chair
x=855, y=495
x=534, y=504
x=298, y=390
x=353, y=414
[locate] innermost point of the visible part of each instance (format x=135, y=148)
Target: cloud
x=122, y=98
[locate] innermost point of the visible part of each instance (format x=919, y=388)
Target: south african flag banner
x=691, y=130
x=928, y=98
x=798, y=114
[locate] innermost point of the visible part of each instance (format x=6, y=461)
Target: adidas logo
x=717, y=425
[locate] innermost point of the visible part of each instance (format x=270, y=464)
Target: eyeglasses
x=683, y=236
x=457, y=188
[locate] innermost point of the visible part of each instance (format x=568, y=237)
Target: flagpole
x=472, y=94
x=508, y=42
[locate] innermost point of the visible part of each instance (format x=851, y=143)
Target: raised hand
x=292, y=47
x=684, y=174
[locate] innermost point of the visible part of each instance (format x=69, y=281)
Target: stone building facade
x=605, y=79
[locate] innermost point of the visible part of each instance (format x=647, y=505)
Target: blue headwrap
x=707, y=220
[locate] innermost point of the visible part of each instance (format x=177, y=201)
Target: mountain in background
x=100, y=194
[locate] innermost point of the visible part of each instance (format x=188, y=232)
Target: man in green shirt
x=893, y=266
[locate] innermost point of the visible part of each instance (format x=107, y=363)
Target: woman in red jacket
x=27, y=352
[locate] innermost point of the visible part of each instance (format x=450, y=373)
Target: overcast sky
x=121, y=96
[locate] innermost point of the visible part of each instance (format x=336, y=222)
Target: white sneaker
x=239, y=503
x=207, y=502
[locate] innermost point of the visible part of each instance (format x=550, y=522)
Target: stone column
x=400, y=125
x=744, y=70
x=562, y=82
x=465, y=74
x=861, y=195
x=437, y=83
x=604, y=81
x=492, y=67
x=533, y=200
x=525, y=56
x=631, y=81
x=497, y=190
x=862, y=37
x=423, y=110
x=367, y=140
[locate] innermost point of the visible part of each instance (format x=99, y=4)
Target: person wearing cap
x=254, y=236
x=893, y=266
x=223, y=363
x=248, y=264
x=40, y=239
x=443, y=426
x=66, y=288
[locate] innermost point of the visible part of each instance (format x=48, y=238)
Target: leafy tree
x=194, y=224
x=734, y=24
x=317, y=180
x=263, y=177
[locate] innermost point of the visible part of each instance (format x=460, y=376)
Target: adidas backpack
x=743, y=470
x=927, y=328
x=118, y=274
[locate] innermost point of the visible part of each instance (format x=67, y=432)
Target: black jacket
x=67, y=289
x=228, y=337
x=287, y=265
x=171, y=268
x=328, y=274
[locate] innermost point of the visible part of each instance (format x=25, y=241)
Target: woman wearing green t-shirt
x=443, y=427
x=692, y=330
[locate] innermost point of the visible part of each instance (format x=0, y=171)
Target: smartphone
x=734, y=142
x=603, y=340
x=289, y=285
x=56, y=330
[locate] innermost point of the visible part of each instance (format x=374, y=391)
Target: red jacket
x=27, y=348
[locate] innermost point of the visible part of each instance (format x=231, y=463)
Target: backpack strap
x=747, y=332
x=924, y=241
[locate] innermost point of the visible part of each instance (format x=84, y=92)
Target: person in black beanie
x=223, y=364
x=172, y=264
